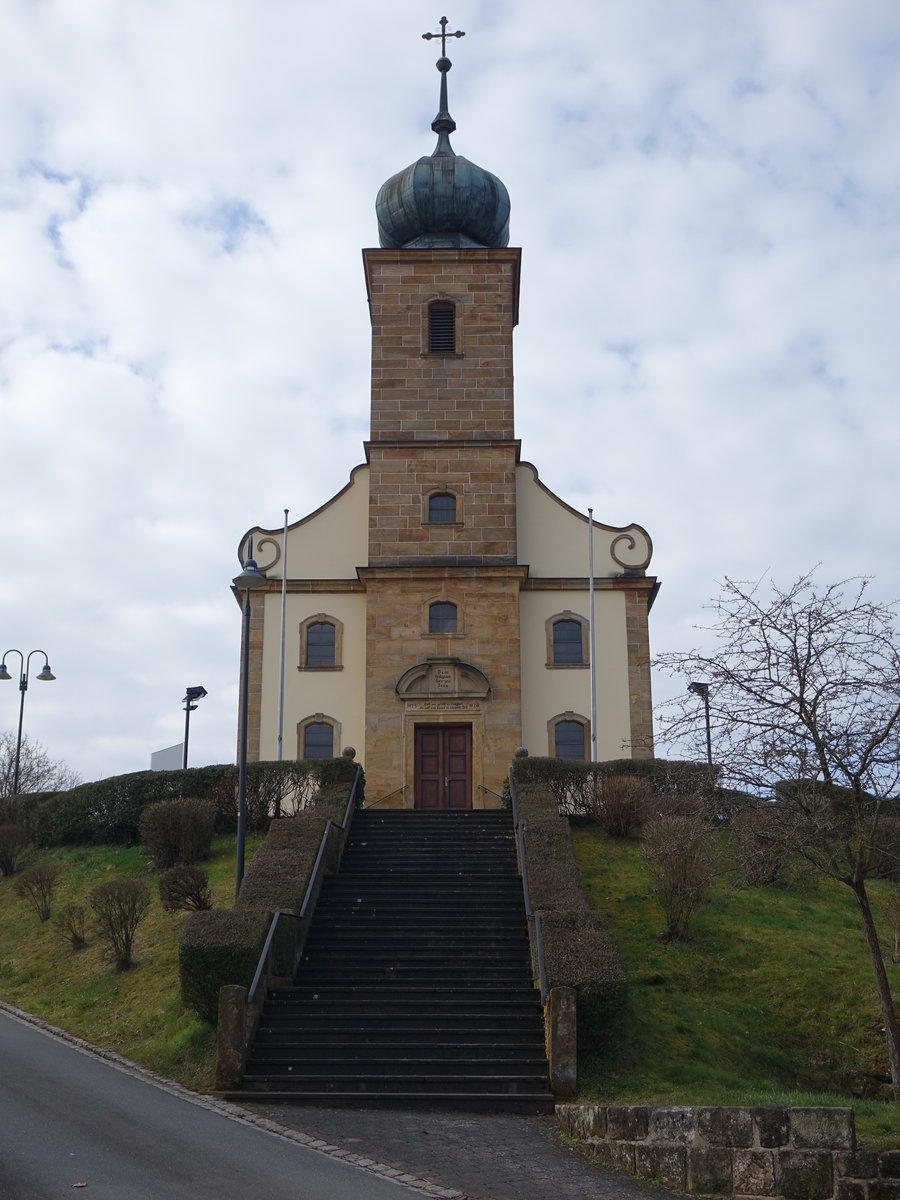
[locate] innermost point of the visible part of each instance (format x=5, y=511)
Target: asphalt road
x=70, y=1120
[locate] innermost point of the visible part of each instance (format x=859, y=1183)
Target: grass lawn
x=138, y=1012
x=772, y=1001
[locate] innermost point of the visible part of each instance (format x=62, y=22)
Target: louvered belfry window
x=441, y=327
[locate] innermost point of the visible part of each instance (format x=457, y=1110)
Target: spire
x=443, y=124
x=442, y=200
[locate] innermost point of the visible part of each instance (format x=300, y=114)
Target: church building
x=437, y=608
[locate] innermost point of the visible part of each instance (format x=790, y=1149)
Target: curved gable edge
x=267, y=542
x=628, y=547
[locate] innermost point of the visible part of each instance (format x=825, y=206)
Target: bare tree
x=804, y=695
x=38, y=772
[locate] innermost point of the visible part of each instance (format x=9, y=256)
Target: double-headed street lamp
x=702, y=690
x=45, y=676
x=249, y=579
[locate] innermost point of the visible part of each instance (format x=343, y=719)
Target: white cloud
x=707, y=199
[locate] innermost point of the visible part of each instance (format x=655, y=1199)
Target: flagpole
x=280, y=750
x=591, y=635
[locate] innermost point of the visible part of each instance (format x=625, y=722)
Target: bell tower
x=443, y=293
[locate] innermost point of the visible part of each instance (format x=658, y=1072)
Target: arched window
x=318, y=740
x=441, y=508
x=318, y=736
x=569, y=735
x=567, y=640
x=441, y=327
x=442, y=617
x=321, y=643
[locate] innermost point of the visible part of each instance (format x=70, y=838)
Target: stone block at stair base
x=628, y=1124
x=710, y=1172
x=773, y=1127
x=230, y=1036
x=667, y=1164
x=673, y=1125
x=850, y=1189
x=823, y=1128
x=804, y=1174
x=725, y=1126
x=862, y=1164
x=562, y=1043
x=582, y=1121
x=617, y=1155
x=754, y=1172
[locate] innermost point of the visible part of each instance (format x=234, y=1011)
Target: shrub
x=760, y=860
x=70, y=923
x=680, y=856
x=177, y=831
x=185, y=888
x=12, y=843
x=573, y=783
x=37, y=887
x=120, y=904
x=620, y=802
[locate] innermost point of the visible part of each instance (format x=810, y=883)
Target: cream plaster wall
x=553, y=538
x=340, y=695
x=330, y=543
x=548, y=692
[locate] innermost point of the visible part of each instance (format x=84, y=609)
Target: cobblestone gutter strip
x=790, y=1153
x=233, y=1112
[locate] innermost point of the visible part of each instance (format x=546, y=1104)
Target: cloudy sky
x=707, y=194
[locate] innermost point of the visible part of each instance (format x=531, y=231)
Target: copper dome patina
x=443, y=199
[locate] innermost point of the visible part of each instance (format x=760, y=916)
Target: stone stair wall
x=794, y=1153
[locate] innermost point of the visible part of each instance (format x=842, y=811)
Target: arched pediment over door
x=448, y=677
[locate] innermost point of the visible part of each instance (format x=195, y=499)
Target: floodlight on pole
x=45, y=676
x=702, y=690
x=249, y=579
x=191, y=695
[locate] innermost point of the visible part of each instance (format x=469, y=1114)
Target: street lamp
x=702, y=690
x=191, y=694
x=249, y=579
x=45, y=676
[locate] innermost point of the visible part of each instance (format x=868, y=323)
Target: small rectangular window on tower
x=441, y=327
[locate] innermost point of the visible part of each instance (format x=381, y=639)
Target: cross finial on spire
x=443, y=124
x=443, y=35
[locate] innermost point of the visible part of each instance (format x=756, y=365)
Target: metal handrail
x=381, y=799
x=519, y=827
x=350, y=802
x=315, y=871
x=263, y=963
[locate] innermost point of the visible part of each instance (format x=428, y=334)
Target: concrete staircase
x=415, y=986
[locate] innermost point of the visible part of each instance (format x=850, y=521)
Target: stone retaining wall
x=795, y=1153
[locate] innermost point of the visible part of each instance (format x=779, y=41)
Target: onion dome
x=443, y=199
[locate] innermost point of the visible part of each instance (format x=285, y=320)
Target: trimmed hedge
x=572, y=783
x=217, y=947
x=108, y=811
x=580, y=951
x=177, y=831
x=224, y=946
x=279, y=873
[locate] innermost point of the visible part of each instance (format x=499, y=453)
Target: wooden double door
x=443, y=766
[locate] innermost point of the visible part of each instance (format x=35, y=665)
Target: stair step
x=309, y=1067
x=415, y=984
x=393, y=1050
x=504, y=1080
